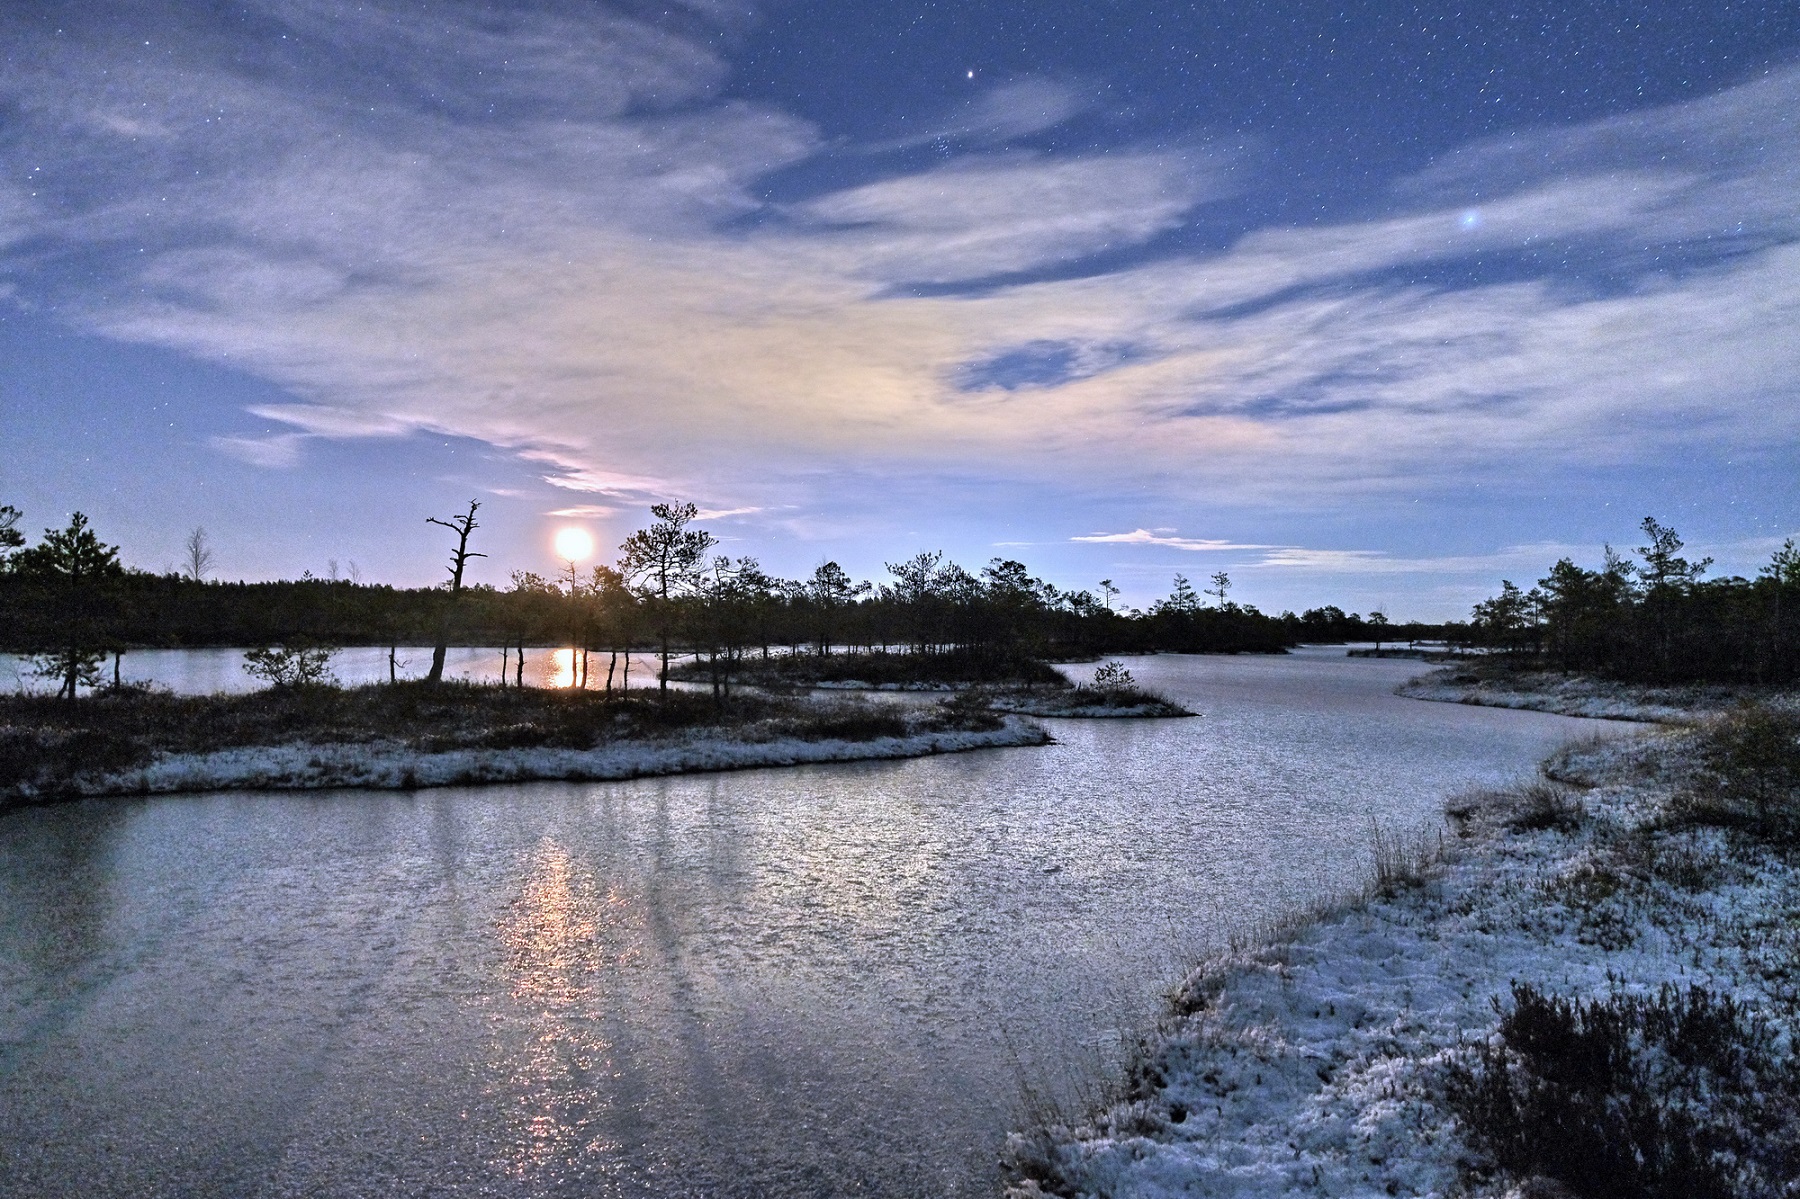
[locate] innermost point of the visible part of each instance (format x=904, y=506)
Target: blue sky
x=1370, y=307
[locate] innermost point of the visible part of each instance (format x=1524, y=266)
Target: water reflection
x=818, y=981
x=204, y=671
x=58, y=887
x=565, y=937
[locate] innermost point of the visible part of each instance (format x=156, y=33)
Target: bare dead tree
x=462, y=526
x=197, y=561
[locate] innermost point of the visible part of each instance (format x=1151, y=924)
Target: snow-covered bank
x=1583, y=695
x=1318, y=1065
x=393, y=765
x=1085, y=703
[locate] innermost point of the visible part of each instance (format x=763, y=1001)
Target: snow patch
x=1314, y=1066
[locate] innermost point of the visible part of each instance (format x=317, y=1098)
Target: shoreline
x=391, y=765
x=1319, y=1061
x=1585, y=696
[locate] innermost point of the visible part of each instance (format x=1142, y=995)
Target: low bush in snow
x=1530, y=807
x=972, y=709
x=48, y=746
x=1683, y=1095
x=1749, y=774
x=1403, y=860
x=1543, y=804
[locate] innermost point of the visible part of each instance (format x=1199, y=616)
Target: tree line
x=1656, y=619
x=70, y=601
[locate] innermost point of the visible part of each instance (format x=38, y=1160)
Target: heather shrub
x=1682, y=1095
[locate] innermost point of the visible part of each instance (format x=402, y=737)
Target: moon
x=572, y=545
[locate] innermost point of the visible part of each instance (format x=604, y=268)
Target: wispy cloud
x=1012, y=109
x=1529, y=558
x=582, y=512
x=320, y=420
x=277, y=451
x=1000, y=214
x=550, y=259
x=1146, y=537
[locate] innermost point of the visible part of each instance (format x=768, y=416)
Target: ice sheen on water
x=810, y=981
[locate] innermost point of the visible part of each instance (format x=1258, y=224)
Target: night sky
x=1369, y=304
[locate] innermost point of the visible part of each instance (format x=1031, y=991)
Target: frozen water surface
x=810, y=981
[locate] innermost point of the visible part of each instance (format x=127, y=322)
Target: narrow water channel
x=819, y=981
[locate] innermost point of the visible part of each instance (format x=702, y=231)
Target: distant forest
x=69, y=598
x=1658, y=620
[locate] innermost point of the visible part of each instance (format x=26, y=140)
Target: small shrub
x=1543, y=804
x=1683, y=1095
x=289, y=666
x=1401, y=861
x=1671, y=858
x=1112, y=676
x=970, y=710
x=857, y=723
x=1462, y=809
x=1589, y=884
x=49, y=760
x=1530, y=807
x=522, y=735
x=1750, y=774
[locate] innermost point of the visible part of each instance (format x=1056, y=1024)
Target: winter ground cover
x=1337, y=1056
x=414, y=735
x=394, y=765
x=1582, y=695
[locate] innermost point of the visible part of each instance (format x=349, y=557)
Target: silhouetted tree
x=664, y=563
x=831, y=591
x=285, y=667
x=462, y=526
x=918, y=583
x=1182, y=598
x=612, y=611
x=1781, y=578
x=76, y=566
x=529, y=608
x=1015, y=607
x=10, y=537
x=1504, y=619
x=197, y=557
x=1659, y=622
